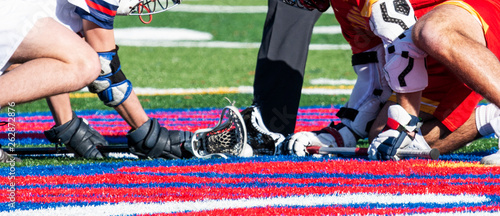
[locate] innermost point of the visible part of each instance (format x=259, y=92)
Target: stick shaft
x=427, y=153
x=346, y=151
x=352, y=151
x=63, y=150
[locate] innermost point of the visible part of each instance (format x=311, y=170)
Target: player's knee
x=425, y=35
x=86, y=67
x=112, y=87
x=433, y=33
x=92, y=67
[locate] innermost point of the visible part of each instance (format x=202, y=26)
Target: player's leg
x=49, y=64
x=41, y=54
x=103, y=41
x=456, y=38
x=440, y=137
x=60, y=107
x=281, y=64
x=147, y=138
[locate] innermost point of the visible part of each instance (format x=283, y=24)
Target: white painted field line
x=304, y=201
x=217, y=44
x=327, y=30
x=325, y=81
x=160, y=34
x=218, y=9
x=223, y=9
x=177, y=37
x=221, y=90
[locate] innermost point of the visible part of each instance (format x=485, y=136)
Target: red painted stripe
x=344, y=182
x=330, y=210
x=345, y=166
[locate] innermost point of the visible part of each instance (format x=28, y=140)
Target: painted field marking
x=146, y=91
x=177, y=37
x=299, y=201
x=224, y=9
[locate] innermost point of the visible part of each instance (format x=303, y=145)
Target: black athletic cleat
x=262, y=141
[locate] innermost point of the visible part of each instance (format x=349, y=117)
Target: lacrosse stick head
x=145, y=7
x=227, y=138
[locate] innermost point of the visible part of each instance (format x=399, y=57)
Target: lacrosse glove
x=332, y=136
x=400, y=124
x=151, y=140
x=78, y=137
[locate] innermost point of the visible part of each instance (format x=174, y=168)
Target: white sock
x=484, y=116
x=495, y=124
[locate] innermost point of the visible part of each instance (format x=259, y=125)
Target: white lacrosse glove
x=326, y=137
x=400, y=123
x=405, y=65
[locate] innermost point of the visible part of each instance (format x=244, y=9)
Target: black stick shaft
x=62, y=150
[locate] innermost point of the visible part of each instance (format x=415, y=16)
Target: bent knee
x=444, y=27
x=86, y=67
x=428, y=35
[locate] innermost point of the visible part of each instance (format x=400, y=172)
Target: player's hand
x=402, y=129
x=386, y=144
x=298, y=143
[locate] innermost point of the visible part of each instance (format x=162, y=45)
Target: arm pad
x=405, y=68
x=390, y=18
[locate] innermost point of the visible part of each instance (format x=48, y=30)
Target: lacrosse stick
x=145, y=8
x=227, y=138
x=346, y=151
x=62, y=150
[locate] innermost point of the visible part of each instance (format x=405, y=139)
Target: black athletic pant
x=281, y=62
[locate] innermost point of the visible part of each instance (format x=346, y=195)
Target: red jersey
x=354, y=19
x=454, y=102
x=355, y=27
x=488, y=13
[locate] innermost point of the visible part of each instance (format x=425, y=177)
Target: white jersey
x=21, y=15
x=83, y=4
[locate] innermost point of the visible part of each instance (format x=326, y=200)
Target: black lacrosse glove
x=78, y=137
x=151, y=140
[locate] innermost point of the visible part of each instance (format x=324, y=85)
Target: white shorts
x=20, y=16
